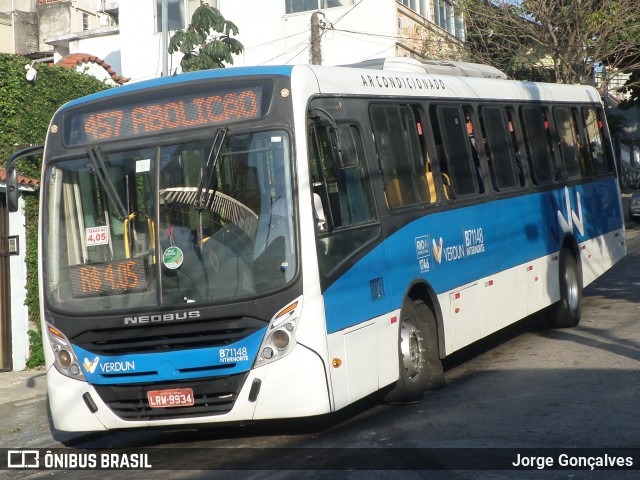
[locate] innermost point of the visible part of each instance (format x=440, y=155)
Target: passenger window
x=344, y=193
x=454, y=144
x=515, y=144
x=569, y=147
x=536, y=127
x=341, y=198
x=399, y=141
x=501, y=148
x=598, y=155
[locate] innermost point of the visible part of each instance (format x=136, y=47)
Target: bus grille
x=153, y=338
x=213, y=396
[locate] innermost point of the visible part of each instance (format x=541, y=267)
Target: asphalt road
x=521, y=389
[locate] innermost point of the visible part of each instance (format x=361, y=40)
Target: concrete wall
x=6, y=33
x=18, y=31
x=55, y=19
x=19, y=5
x=65, y=17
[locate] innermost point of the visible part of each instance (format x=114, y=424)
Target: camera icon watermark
x=23, y=459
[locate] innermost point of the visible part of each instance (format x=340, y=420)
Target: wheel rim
x=410, y=341
x=571, y=280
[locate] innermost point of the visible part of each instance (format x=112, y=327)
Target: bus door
x=351, y=267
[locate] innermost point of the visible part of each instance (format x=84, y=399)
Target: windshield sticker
x=96, y=236
x=172, y=258
x=143, y=165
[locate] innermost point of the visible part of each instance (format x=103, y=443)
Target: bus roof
x=389, y=78
x=384, y=82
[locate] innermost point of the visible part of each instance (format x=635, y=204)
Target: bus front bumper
x=294, y=386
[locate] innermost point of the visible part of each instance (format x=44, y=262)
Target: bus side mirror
x=12, y=190
x=344, y=146
x=12, y=174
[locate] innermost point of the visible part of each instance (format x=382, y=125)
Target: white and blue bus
x=281, y=241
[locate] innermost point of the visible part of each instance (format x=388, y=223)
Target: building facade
x=124, y=40
x=129, y=34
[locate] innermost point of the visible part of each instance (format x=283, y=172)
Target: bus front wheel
x=420, y=366
x=567, y=312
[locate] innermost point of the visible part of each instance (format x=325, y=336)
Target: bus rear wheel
x=567, y=312
x=420, y=367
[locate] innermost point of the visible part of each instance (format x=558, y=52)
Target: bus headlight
x=280, y=337
x=65, y=359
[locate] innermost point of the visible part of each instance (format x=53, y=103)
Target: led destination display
x=160, y=116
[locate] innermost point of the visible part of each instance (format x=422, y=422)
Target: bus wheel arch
x=567, y=311
x=419, y=337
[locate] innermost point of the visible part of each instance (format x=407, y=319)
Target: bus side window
x=568, y=143
x=343, y=193
x=341, y=199
x=500, y=148
x=513, y=137
x=454, y=151
x=598, y=157
x=539, y=151
x=475, y=143
x=401, y=154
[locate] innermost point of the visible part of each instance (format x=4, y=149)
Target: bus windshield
x=190, y=223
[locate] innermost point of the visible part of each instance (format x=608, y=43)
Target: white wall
x=18, y=274
x=267, y=33
x=106, y=47
x=272, y=37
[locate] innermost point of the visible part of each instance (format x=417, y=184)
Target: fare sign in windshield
x=161, y=116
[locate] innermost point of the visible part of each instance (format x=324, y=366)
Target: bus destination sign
x=108, y=278
x=161, y=116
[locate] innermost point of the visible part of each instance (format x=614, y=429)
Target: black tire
x=420, y=365
x=567, y=312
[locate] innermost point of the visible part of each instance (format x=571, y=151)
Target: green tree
x=571, y=41
x=25, y=112
x=207, y=42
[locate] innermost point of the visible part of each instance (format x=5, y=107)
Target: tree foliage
x=25, y=112
x=207, y=42
x=563, y=41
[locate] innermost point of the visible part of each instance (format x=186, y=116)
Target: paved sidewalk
x=23, y=386
x=24, y=411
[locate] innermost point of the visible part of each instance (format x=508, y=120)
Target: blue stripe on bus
x=456, y=247
x=171, y=365
x=184, y=78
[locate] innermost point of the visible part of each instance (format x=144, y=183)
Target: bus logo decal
x=437, y=250
x=423, y=252
x=90, y=366
x=573, y=218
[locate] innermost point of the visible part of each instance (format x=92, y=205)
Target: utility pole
x=315, y=50
x=164, y=43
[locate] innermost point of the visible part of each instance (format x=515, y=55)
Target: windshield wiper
x=205, y=181
x=209, y=170
x=95, y=155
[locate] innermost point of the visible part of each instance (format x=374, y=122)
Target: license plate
x=176, y=397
